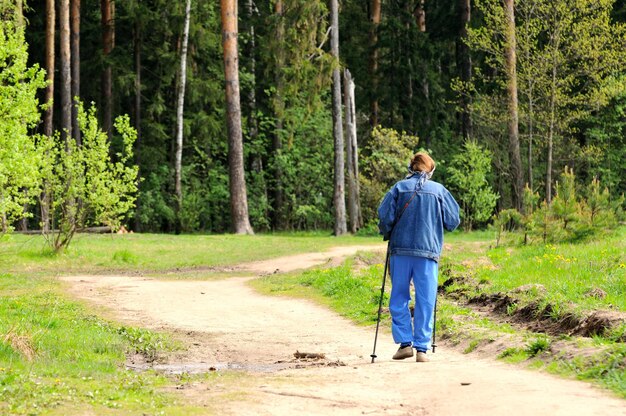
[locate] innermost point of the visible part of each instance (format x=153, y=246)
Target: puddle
x=202, y=368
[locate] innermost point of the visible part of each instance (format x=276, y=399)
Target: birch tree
x=339, y=195
x=352, y=157
x=179, y=115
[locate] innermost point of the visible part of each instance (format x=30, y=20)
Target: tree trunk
x=137, y=45
x=279, y=112
x=253, y=123
x=420, y=20
x=339, y=195
x=19, y=13
x=66, y=76
x=75, y=65
x=465, y=64
x=49, y=113
x=50, y=55
x=517, y=180
x=551, y=135
x=420, y=16
x=178, y=160
x=352, y=154
x=375, y=13
x=237, y=183
x=531, y=115
x=108, y=43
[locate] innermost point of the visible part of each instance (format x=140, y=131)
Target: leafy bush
x=19, y=159
x=87, y=186
x=383, y=163
x=468, y=180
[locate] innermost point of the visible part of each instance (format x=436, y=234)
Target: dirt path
x=229, y=325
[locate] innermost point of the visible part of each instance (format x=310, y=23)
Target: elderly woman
x=412, y=216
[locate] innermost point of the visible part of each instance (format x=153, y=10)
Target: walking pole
x=380, y=303
x=434, y=324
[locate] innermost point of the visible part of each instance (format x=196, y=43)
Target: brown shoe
x=402, y=353
x=421, y=357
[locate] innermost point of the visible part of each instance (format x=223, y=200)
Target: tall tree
x=464, y=61
x=65, y=69
x=375, y=13
x=517, y=176
x=278, y=101
x=49, y=65
x=352, y=158
x=178, y=160
x=107, y=11
x=19, y=13
x=75, y=63
x=49, y=113
x=237, y=183
x=339, y=195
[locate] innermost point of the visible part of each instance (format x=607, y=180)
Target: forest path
x=228, y=325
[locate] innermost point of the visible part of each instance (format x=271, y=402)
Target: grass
x=54, y=352
x=158, y=252
x=354, y=293
x=57, y=357
x=340, y=288
x=570, y=273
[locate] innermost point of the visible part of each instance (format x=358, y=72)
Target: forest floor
x=250, y=339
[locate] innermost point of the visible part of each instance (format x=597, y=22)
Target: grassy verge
x=157, y=252
x=353, y=290
x=56, y=357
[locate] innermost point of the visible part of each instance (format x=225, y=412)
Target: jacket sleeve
x=451, y=218
x=387, y=213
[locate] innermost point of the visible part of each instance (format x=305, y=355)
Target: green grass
x=78, y=359
x=569, y=272
x=54, y=353
x=157, y=252
x=355, y=294
x=56, y=357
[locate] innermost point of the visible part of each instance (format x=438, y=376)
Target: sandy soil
x=228, y=326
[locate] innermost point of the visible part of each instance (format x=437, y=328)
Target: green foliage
x=567, y=56
x=506, y=220
x=538, y=345
x=468, y=179
x=383, y=162
x=573, y=215
x=86, y=185
x=19, y=109
x=91, y=253
x=54, y=354
x=565, y=204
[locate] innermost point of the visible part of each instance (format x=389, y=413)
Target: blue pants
x=424, y=273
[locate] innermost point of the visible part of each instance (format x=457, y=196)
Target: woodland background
x=505, y=95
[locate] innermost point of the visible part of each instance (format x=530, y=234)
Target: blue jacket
x=419, y=232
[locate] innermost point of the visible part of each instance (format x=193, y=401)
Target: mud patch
x=534, y=315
